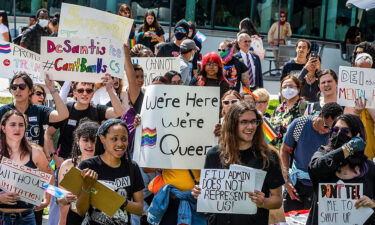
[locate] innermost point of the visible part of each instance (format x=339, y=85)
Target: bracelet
x=123, y=206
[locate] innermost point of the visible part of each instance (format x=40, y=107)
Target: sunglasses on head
x=343, y=130
x=38, y=93
x=20, y=86
x=180, y=29
x=88, y=90
x=233, y=101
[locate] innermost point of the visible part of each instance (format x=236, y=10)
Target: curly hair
x=368, y=48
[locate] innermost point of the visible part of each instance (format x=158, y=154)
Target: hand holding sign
x=9, y=198
x=365, y=201
x=89, y=179
x=257, y=197
x=50, y=84
x=107, y=81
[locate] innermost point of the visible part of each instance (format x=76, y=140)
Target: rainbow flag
x=269, y=132
x=52, y=164
x=5, y=48
x=149, y=137
x=246, y=90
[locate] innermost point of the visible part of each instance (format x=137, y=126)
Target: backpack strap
x=299, y=127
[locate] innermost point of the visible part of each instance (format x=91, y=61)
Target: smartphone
x=314, y=52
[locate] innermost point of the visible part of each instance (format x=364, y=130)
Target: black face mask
x=337, y=139
x=179, y=35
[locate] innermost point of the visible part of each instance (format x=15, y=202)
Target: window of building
x=228, y=14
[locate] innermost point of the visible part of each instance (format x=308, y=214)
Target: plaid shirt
x=32, y=36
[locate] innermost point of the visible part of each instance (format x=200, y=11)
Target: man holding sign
x=242, y=142
x=343, y=179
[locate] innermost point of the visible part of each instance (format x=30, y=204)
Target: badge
x=72, y=122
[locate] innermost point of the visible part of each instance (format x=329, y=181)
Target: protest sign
x=336, y=204
x=355, y=83
x=23, y=180
x=260, y=175
x=226, y=191
x=156, y=66
x=176, y=128
x=14, y=59
x=78, y=59
x=257, y=45
x=80, y=21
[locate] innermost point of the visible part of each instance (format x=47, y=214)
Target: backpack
x=299, y=127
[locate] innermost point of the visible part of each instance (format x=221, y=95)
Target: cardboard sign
x=356, y=83
x=226, y=191
x=102, y=197
x=177, y=126
x=23, y=180
x=257, y=45
x=80, y=21
x=14, y=59
x=156, y=66
x=336, y=204
x=79, y=59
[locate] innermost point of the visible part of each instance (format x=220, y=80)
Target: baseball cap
x=187, y=45
x=182, y=23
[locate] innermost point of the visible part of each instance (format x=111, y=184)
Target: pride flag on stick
x=269, y=132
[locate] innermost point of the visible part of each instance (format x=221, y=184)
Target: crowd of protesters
x=317, y=140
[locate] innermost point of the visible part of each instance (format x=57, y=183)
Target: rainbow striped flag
x=149, y=137
x=269, y=132
x=5, y=48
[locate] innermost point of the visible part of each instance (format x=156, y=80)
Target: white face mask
x=43, y=23
x=192, y=57
x=289, y=93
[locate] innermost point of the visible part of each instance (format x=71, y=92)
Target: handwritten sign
x=356, y=83
x=156, y=66
x=24, y=181
x=14, y=59
x=80, y=21
x=226, y=191
x=78, y=59
x=336, y=204
x=175, y=133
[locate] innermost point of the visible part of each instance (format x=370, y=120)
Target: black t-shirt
x=37, y=120
x=310, y=92
x=149, y=41
x=125, y=180
x=291, y=68
x=68, y=126
x=168, y=49
x=234, y=77
x=196, y=55
x=250, y=158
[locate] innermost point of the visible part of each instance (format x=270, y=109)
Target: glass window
x=228, y=14
x=306, y=17
x=203, y=13
x=367, y=24
x=266, y=12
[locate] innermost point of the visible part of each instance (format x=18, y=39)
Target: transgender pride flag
x=54, y=191
x=200, y=37
x=5, y=48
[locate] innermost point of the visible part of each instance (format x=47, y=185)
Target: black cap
x=182, y=23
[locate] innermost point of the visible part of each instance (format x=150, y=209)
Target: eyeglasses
x=247, y=41
x=221, y=50
x=253, y=122
x=88, y=90
x=20, y=86
x=38, y=93
x=211, y=64
x=233, y=101
x=261, y=102
x=344, y=130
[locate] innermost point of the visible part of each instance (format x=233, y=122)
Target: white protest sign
x=80, y=21
x=24, y=181
x=260, y=175
x=356, y=83
x=226, y=191
x=78, y=59
x=156, y=66
x=176, y=128
x=336, y=204
x=14, y=59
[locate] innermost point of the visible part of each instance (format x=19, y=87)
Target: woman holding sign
x=113, y=168
x=242, y=142
x=14, y=146
x=343, y=159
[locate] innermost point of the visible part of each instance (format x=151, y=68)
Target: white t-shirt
x=3, y=29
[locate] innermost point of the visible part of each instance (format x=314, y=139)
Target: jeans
x=26, y=220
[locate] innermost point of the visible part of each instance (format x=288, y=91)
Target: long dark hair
x=5, y=21
x=86, y=129
x=247, y=26
x=228, y=144
x=155, y=23
x=25, y=147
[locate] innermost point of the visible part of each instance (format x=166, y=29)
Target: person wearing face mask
x=343, y=159
x=291, y=107
x=32, y=36
x=172, y=49
x=187, y=50
x=302, y=139
x=235, y=71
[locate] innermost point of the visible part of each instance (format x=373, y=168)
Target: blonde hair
x=262, y=93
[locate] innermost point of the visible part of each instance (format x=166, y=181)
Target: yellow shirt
x=370, y=137
x=181, y=179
